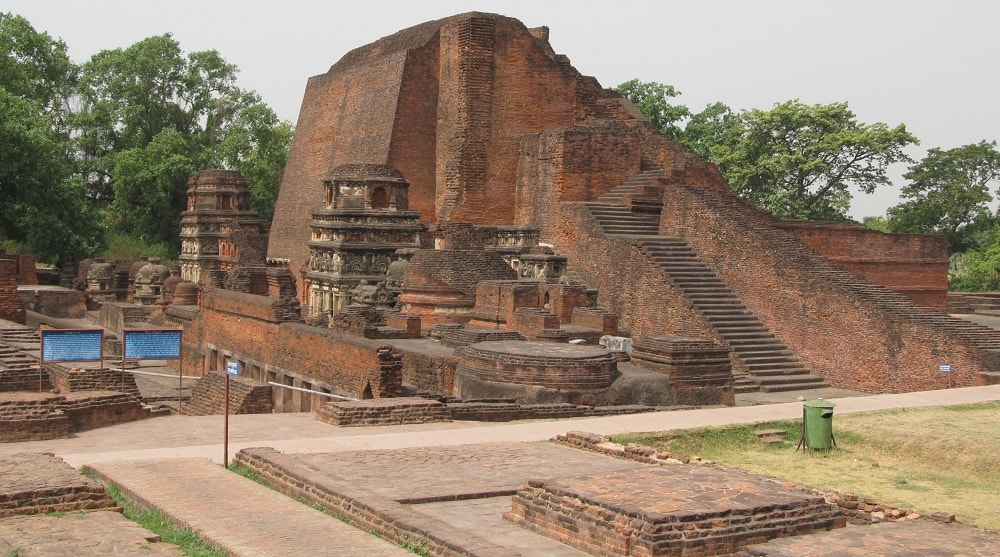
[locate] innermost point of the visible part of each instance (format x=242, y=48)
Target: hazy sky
x=932, y=65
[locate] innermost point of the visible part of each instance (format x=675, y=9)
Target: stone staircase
x=893, y=303
x=617, y=195
x=770, y=365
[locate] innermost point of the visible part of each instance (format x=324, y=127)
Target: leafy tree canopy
x=653, y=100
x=800, y=161
x=152, y=116
x=949, y=192
x=112, y=144
x=794, y=161
x=41, y=203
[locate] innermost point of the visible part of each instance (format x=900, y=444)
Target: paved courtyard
x=173, y=463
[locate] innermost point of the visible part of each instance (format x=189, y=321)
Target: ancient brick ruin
x=462, y=210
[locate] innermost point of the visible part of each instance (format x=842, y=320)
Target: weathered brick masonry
x=259, y=328
x=854, y=342
x=914, y=264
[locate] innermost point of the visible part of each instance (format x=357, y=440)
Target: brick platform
x=40, y=483
x=668, y=510
x=534, y=364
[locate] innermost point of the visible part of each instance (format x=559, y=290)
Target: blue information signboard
x=152, y=344
x=72, y=345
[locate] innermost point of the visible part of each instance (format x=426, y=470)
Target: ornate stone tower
x=356, y=233
x=219, y=230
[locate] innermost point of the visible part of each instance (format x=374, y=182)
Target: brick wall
x=117, y=316
x=11, y=305
x=853, y=343
x=914, y=264
x=188, y=319
x=244, y=325
x=434, y=374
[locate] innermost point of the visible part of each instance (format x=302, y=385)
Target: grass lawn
x=927, y=459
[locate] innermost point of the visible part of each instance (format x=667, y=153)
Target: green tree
x=653, y=100
x=800, y=161
x=41, y=204
x=152, y=115
x=880, y=223
x=257, y=145
x=949, y=192
x=714, y=126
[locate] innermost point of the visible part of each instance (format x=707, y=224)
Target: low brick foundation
x=363, y=508
x=510, y=411
x=41, y=416
x=668, y=510
x=42, y=483
x=852, y=508
x=699, y=370
x=383, y=411
x=70, y=380
x=90, y=410
x=31, y=417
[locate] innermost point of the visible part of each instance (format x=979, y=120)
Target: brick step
x=762, y=333
x=804, y=386
x=769, y=357
x=791, y=368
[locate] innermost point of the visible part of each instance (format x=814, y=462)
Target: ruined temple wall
x=413, y=145
x=347, y=116
x=444, y=102
x=498, y=82
x=851, y=343
x=914, y=264
x=346, y=362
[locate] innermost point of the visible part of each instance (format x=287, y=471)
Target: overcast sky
x=932, y=65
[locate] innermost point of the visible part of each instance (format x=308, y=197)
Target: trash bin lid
x=818, y=404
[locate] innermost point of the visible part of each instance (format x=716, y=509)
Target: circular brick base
x=541, y=364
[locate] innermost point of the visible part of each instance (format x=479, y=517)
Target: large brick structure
x=491, y=127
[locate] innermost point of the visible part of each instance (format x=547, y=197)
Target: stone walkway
x=237, y=514
x=228, y=507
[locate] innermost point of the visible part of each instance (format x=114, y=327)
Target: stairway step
x=793, y=369
x=785, y=387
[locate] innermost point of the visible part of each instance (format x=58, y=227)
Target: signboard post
x=232, y=368
x=71, y=345
x=154, y=344
x=946, y=368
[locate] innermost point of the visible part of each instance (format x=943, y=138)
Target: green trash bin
x=817, y=424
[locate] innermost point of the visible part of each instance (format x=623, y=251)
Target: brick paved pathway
x=243, y=517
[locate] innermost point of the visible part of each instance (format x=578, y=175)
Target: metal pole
x=180, y=383
x=225, y=443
